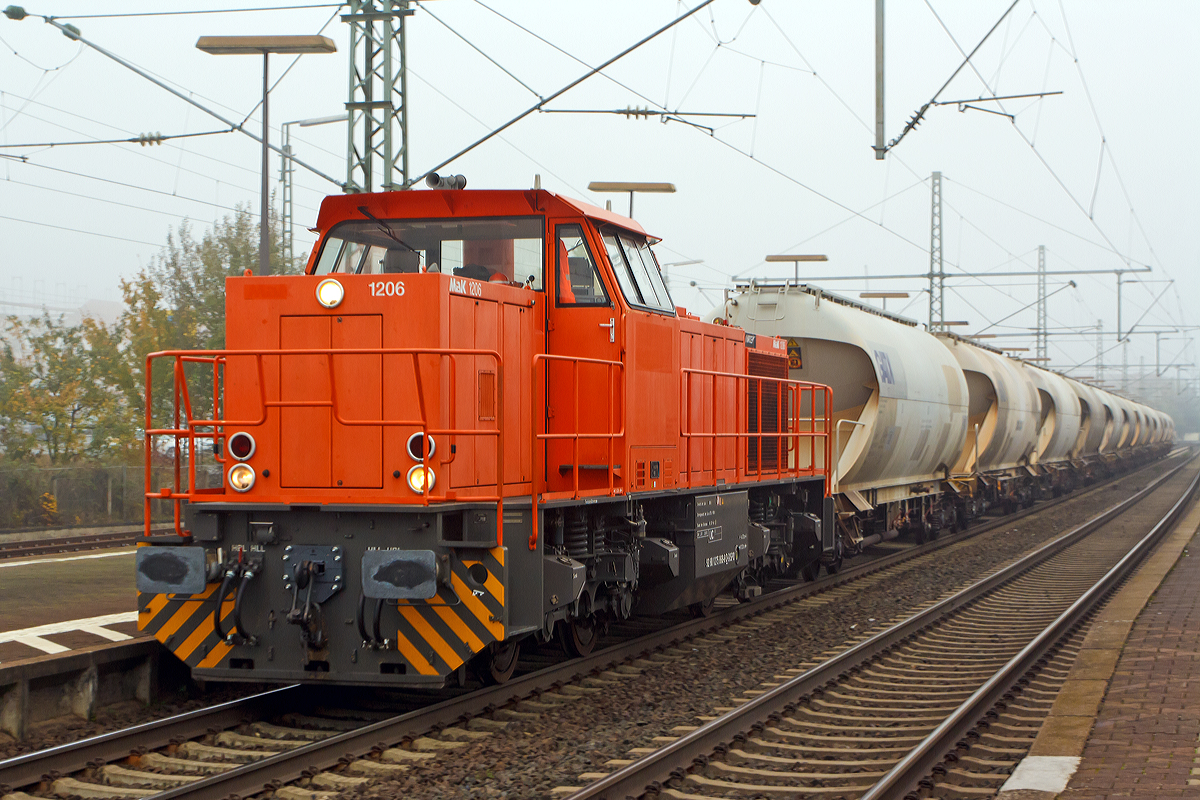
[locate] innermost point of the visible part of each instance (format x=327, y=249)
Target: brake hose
x=243, y=636
x=360, y=618
x=226, y=584
x=379, y=640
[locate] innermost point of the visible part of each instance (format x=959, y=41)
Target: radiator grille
x=769, y=366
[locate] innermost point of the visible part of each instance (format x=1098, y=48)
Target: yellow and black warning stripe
x=439, y=635
x=184, y=624
x=435, y=637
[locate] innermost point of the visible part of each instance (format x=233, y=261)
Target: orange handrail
x=191, y=430
x=793, y=392
x=574, y=435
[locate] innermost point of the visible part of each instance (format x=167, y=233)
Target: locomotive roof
x=450, y=203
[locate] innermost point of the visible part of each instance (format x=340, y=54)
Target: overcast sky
x=1101, y=175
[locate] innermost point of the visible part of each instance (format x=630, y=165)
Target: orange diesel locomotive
x=477, y=417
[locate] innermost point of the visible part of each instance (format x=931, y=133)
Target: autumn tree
x=178, y=303
x=74, y=392
x=55, y=401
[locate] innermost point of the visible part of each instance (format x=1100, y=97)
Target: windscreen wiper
x=386, y=231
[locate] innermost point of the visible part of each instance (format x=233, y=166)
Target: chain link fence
x=52, y=497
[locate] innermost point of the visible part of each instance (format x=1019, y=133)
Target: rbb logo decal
x=464, y=286
x=885, y=367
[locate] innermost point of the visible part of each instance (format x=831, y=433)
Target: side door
x=584, y=387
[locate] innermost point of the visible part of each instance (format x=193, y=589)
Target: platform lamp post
x=286, y=181
x=883, y=296
x=666, y=268
x=796, y=261
x=631, y=187
x=251, y=45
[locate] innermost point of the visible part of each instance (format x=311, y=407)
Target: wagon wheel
x=810, y=571
x=579, y=636
x=499, y=661
x=704, y=608
x=839, y=552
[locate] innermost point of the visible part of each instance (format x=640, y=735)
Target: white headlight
x=330, y=293
x=241, y=477
x=421, y=478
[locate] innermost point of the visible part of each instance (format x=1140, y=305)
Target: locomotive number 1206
x=387, y=288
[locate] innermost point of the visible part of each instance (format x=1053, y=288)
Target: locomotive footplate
x=349, y=596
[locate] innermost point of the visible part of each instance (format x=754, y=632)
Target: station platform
x=52, y=604
x=1127, y=722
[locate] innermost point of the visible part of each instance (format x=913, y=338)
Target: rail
x=612, y=368
x=789, y=429
x=28, y=770
x=188, y=429
x=694, y=748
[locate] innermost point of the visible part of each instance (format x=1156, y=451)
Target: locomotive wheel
x=810, y=571
x=704, y=608
x=579, y=636
x=499, y=661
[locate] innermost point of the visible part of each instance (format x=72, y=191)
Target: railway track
x=281, y=736
x=946, y=702
x=69, y=544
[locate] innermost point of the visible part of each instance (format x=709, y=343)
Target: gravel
x=530, y=758
x=64, y=730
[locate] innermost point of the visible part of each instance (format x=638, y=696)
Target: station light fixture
x=796, y=261
x=884, y=296
x=265, y=45
x=632, y=187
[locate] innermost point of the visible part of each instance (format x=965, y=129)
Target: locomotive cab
x=477, y=418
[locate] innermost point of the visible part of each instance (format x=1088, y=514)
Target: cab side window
x=578, y=281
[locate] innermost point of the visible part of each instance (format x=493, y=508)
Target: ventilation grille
x=768, y=366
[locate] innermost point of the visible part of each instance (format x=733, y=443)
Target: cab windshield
x=507, y=249
x=637, y=272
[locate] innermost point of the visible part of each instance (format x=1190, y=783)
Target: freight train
x=478, y=419
x=933, y=429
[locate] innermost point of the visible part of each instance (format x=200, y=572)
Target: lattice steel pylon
x=287, y=172
x=1041, y=305
x=377, y=143
x=937, y=273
